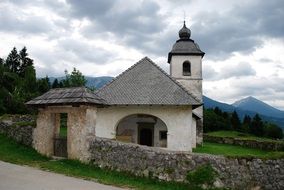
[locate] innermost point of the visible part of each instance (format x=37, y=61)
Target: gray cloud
x=241, y=69
x=84, y=51
x=257, y=86
x=26, y=24
x=241, y=29
x=209, y=73
x=135, y=25
x=265, y=60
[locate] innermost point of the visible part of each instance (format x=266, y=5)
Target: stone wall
x=20, y=133
x=171, y=165
x=264, y=145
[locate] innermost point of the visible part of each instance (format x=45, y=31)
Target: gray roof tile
x=145, y=84
x=67, y=96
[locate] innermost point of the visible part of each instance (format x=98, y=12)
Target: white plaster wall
x=159, y=126
x=193, y=86
x=193, y=132
x=199, y=132
x=192, y=83
x=176, y=66
x=178, y=120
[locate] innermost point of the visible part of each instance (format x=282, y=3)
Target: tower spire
x=184, y=32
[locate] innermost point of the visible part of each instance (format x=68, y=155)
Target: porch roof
x=67, y=96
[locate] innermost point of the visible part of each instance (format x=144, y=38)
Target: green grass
x=63, y=132
x=239, y=135
x=19, y=154
x=237, y=151
x=10, y=151
x=63, y=125
x=25, y=123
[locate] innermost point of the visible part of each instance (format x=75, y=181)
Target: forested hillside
x=18, y=82
x=216, y=119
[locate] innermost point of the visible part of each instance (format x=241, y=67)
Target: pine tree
x=235, y=121
x=25, y=62
x=13, y=61
x=218, y=111
x=246, y=124
x=55, y=84
x=257, y=126
x=43, y=85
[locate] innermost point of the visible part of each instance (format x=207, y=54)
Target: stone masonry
x=263, y=145
x=171, y=165
x=80, y=124
x=21, y=134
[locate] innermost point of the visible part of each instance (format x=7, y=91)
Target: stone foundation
x=171, y=165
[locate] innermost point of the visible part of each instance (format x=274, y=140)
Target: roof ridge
x=175, y=81
x=118, y=76
x=59, y=88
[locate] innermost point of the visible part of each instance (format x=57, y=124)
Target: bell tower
x=185, y=61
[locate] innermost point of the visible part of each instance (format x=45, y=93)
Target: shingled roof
x=145, y=84
x=67, y=96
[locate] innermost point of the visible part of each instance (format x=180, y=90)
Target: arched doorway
x=142, y=129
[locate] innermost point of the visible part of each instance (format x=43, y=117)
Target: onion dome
x=184, y=32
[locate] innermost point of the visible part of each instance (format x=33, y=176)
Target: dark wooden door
x=60, y=147
x=146, y=136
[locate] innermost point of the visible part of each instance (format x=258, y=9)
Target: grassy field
x=237, y=151
x=236, y=134
x=19, y=154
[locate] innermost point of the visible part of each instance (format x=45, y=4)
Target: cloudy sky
x=243, y=40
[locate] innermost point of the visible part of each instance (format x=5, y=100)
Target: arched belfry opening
x=142, y=129
x=186, y=68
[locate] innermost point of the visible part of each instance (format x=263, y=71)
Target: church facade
x=143, y=105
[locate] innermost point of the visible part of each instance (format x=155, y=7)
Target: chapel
x=143, y=105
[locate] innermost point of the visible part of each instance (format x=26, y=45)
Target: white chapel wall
x=178, y=120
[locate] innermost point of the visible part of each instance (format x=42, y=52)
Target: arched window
x=186, y=68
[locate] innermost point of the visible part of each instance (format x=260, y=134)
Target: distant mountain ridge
x=96, y=82
x=249, y=106
x=253, y=104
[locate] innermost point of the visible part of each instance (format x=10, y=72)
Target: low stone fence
x=170, y=165
x=19, y=132
x=263, y=145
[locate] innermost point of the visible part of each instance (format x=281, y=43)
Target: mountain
x=97, y=82
x=255, y=105
x=210, y=103
x=242, y=110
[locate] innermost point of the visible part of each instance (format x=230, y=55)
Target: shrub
x=204, y=174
